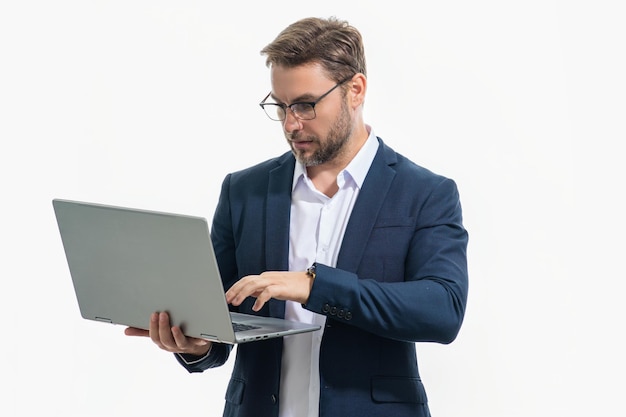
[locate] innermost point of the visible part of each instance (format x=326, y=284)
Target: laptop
x=128, y=263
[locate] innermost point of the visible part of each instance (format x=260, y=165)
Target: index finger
x=241, y=289
x=134, y=331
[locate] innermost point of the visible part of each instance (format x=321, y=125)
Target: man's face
x=320, y=140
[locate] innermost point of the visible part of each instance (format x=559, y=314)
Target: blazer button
x=273, y=399
x=326, y=308
x=348, y=315
x=333, y=310
x=341, y=313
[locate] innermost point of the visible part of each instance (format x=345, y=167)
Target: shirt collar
x=357, y=168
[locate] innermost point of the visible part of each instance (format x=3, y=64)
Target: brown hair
x=331, y=42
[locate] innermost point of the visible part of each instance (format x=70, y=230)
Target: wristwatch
x=310, y=271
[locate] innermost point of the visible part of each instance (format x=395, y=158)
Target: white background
x=150, y=103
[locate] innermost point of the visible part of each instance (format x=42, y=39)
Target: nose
x=291, y=122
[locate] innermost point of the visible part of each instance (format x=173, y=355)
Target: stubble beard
x=335, y=143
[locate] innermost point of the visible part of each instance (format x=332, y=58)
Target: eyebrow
x=304, y=98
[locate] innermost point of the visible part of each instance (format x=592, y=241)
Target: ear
x=356, y=90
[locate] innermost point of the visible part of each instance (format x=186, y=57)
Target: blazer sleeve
x=217, y=356
x=412, y=281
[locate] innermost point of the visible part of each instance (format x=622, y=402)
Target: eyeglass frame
x=290, y=106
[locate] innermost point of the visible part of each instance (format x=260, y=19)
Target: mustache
x=299, y=137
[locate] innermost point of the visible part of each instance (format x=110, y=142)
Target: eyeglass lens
x=302, y=111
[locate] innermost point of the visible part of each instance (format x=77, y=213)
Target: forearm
x=424, y=310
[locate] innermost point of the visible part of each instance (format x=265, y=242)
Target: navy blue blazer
x=401, y=277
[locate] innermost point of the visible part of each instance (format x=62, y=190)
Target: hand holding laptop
x=170, y=338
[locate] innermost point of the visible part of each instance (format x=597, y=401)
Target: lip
x=301, y=144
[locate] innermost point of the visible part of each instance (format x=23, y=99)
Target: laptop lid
x=128, y=263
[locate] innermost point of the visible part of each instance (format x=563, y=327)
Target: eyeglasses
x=302, y=110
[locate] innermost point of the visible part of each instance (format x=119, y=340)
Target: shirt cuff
x=193, y=359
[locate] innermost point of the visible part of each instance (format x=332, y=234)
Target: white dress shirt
x=316, y=230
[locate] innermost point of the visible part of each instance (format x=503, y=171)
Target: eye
x=302, y=108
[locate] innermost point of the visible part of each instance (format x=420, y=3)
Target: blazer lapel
x=278, y=209
x=366, y=208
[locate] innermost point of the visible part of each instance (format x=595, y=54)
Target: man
x=341, y=231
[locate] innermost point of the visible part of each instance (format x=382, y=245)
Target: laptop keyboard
x=239, y=327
